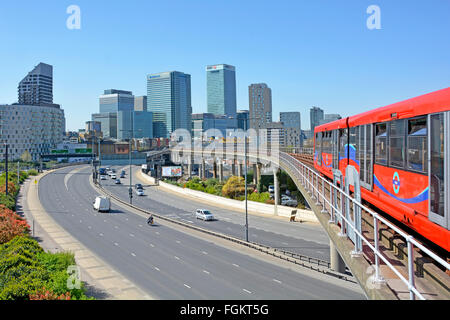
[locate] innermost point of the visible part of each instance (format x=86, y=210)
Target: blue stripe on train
x=423, y=196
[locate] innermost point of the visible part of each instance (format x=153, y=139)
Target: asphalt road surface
x=168, y=263
x=308, y=239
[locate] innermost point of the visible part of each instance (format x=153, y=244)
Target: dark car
x=122, y=174
x=138, y=186
x=117, y=181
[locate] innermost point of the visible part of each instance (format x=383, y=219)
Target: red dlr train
x=402, y=153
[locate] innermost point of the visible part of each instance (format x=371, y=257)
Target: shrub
x=44, y=294
x=234, y=187
x=11, y=224
x=259, y=197
x=32, y=172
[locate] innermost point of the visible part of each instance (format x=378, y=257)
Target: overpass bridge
x=387, y=262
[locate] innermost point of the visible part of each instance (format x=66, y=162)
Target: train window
x=381, y=144
x=397, y=143
x=342, y=143
x=417, y=145
x=437, y=178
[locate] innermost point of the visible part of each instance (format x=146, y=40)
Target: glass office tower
x=169, y=99
x=221, y=89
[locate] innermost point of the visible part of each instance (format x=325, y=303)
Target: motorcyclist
x=150, y=219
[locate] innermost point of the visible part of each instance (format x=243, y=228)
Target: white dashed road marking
x=234, y=264
x=187, y=286
x=277, y=281
x=247, y=291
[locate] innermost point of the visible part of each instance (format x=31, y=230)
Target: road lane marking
x=177, y=258
x=285, y=243
x=133, y=254
x=187, y=286
x=157, y=232
x=156, y=268
x=116, y=227
x=247, y=291
x=140, y=225
x=116, y=244
x=204, y=252
x=234, y=264
x=277, y=281
x=89, y=227
x=151, y=245
x=101, y=234
x=207, y=272
x=178, y=241
x=131, y=235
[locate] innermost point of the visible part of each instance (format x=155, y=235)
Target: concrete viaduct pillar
x=337, y=264
x=233, y=168
x=221, y=171
x=276, y=186
x=215, y=169
x=240, y=171
x=255, y=174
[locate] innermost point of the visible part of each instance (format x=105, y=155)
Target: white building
x=32, y=129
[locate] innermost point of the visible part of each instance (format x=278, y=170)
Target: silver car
x=139, y=192
x=203, y=214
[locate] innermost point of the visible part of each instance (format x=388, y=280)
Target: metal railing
x=315, y=184
x=310, y=181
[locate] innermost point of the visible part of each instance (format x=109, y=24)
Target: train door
x=335, y=148
x=439, y=168
x=318, y=151
x=365, y=155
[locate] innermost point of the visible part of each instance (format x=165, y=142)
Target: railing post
x=378, y=277
x=357, y=227
x=343, y=232
x=331, y=206
x=323, y=197
x=412, y=296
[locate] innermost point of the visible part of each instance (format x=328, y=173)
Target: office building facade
x=29, y=129
x=113, y=100
x=37, y=87
x=134, y=124
x=140, y=103
x=108, y=123
x=292, y=123
x=243, y=120
x=202, y=122
x=169, y=100
x=221, y=90
x=260, y=105
x=316, y=116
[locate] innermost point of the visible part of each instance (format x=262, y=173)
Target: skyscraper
x=316, y=115
x=243, y=120
x=37, y=87
x=169, y=99
x=260, y=102
x=293, y=128
x=113, y=100
x=221, y=90
x=140, y=103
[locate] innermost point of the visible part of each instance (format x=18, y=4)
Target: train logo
x=396, y=182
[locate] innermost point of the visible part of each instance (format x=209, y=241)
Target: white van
x=102, y=204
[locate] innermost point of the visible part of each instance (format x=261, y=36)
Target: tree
x=234, y=187
x=26, y=156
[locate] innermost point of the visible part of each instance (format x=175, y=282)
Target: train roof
x=428, y=103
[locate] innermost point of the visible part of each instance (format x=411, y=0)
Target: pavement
x=171, y=262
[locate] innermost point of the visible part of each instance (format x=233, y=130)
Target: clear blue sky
x=316, y=52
